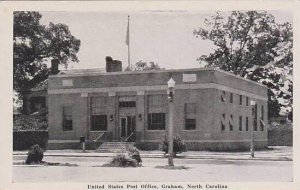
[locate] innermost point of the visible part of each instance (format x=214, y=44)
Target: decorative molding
x=84, y=95
x=140, y=92
x=113, y=90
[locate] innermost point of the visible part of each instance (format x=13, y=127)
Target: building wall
x=204, y=90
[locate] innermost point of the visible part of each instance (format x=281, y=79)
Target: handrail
x=101, y=135
x=129, y=136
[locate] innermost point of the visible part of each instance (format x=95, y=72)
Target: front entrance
x=127, y=128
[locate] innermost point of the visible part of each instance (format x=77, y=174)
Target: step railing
x=99, y=137
x=129, y=136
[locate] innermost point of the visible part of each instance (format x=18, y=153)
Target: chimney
x=54, y=66
x=113, y=65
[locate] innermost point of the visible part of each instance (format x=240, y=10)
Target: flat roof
x=101, y=72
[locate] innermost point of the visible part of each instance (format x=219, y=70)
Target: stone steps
x=113, y=147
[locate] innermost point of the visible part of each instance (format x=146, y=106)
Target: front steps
x=114, y=147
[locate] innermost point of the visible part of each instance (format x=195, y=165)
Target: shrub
x=178, y=145
x=35, y=154
x=134, y=153
x=121, y=161
x=23, y=140
x=30, y=122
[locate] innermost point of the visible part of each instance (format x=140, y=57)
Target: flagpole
x=128, y=42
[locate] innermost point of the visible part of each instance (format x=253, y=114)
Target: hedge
x=280, y=137
x=23, y=140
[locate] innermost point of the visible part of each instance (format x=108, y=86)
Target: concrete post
x=171, y=85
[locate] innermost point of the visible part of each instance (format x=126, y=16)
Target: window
x=98, y=113
x=190, y=108
x=223, y=96
x=190, y=111
x=255, y=118
x=190, y=124
x=231, y=98
x=129, y=104
x=240, y=123
x=262, y=125
x=156, y=121
x=99, y=123
x=247, y=124
x=241, y=100
x=247, y=101
x=127, y=101
x=231, y=123
x=157, y=103
x=262, y=112
x=223, y=122
x=67, y=118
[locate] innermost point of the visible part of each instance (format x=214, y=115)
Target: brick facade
x=202, y=98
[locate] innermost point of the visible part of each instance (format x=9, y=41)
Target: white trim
x=155, y=88
x=220, y=141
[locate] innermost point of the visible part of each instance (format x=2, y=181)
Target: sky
x=164, y=37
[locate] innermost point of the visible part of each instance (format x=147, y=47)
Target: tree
x=252, y=45
x=35, y=45
x=141, y=65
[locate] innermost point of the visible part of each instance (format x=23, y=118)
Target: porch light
x=111, y=118
x=171, y=83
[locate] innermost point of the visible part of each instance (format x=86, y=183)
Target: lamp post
x=252, y=103
x=171, y=85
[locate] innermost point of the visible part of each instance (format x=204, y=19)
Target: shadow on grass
x=172, y=167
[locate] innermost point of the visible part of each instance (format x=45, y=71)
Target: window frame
x=92, y=128
x=67, y=124
x=231, y=98
x=151, y=124
x=241, y=100
x=186, y=124
x=240, y=123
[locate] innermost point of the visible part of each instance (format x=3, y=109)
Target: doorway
x=127, y=128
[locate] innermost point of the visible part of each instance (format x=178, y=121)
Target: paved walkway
x=278, y=153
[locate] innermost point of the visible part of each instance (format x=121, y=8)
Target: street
x=197, y=170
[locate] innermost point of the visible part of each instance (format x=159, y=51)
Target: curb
x=162, y=157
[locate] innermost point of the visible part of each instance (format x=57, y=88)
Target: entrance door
x=127, y=128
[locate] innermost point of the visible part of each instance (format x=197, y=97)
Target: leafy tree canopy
x=35, y=45
x=252, y=45
x=142, y=65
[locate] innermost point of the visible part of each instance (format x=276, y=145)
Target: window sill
x=102, y=131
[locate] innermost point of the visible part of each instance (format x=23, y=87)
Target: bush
x=30, y=122
x=23, y=140
x=178, y=145
x=134, y=153
x=35, y=155
x=120, y=160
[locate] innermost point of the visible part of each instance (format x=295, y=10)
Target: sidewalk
x=277, y=153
